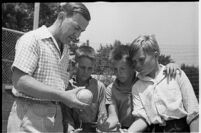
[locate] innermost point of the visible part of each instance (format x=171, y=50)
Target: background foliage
x=19, y=16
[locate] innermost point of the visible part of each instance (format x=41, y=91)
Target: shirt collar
x=158, y=77
x=119, y=88
x=43, y=33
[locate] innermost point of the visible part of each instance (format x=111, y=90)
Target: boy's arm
x=102, y=112
x=138, y=125
x=68, y=121
x=194, y=125
x=102, y=107
x=112, y=120
x=112, y=116
x=142, y=121
x=190, y=102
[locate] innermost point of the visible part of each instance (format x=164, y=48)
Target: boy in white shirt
x=170, y=106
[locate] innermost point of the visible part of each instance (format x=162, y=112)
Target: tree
x=48, y=13
x=102, y=59
x=117, y=42
x=73, y=47
x=19, y=16
x=163, y=59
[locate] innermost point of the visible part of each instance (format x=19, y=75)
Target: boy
x=171, y=106
x=88, y=118
x=118, y=94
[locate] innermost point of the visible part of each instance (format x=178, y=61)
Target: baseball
x=85, y=96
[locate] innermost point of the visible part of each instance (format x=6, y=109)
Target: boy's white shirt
x=156, y=100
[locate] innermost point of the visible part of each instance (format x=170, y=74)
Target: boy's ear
x=156, y=54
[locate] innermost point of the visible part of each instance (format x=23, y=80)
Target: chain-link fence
x=9, y=38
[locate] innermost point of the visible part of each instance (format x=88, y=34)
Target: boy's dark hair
x=120, y=52
x=85, y=51
x=75, y=7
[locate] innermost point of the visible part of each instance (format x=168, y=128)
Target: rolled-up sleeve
x=108, y=92
x=138, y=109
x=102, y=108
x=26, y=54
x=189, y=99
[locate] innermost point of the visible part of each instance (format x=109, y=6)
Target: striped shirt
x=158, y=100
x=37, y=54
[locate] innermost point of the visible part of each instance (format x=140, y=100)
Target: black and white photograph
x=100, y=67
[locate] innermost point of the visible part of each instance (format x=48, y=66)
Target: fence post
x=36, y=15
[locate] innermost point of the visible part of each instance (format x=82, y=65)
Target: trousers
x=30, y=116
x=174, y=126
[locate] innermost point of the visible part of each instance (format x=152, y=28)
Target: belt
x=178, y=125
x=36, y=100
x=182, y=120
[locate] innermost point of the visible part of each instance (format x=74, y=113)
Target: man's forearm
x=31, y=87
x=34, y=88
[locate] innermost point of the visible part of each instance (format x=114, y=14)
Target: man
x=40, y=72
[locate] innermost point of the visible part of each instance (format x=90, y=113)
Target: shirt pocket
x=172, y=91
x=32, y=122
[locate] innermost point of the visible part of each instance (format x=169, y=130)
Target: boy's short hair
x=75, y=7
x=147, y=42
x=85, y=51
x=120, y=52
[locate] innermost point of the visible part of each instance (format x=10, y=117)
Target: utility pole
x=87, y=42
x=36, y=15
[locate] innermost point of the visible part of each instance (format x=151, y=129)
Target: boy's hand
x=76, y=130
x=108, y=125
x=171, y=70
x=102, y=118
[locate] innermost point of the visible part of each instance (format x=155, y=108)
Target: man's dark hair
x=75, y=7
